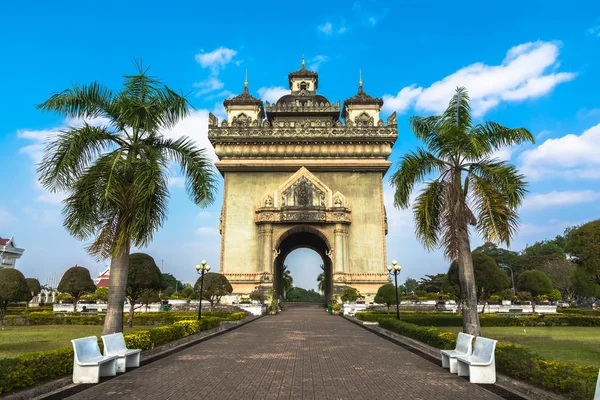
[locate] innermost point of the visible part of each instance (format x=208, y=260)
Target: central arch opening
x=303, y=238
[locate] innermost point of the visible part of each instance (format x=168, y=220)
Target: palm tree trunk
x=131, y=311
x=467, y=284
x=117, y=286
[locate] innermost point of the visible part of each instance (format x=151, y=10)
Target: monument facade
x=303, y=172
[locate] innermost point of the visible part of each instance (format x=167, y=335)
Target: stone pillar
x=267, y=248
x=339, y=250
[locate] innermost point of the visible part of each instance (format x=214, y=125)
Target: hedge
x=571, y=380
x=591, y=313
x=487, y=320
x=164, y=318
x=33, y=368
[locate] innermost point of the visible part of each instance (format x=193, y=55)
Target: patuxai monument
x=303, y=172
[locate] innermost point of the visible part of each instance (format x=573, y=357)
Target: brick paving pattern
x=302, y=353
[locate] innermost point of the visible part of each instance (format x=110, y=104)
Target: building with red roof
x=9, y=253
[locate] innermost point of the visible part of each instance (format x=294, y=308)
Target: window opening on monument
x=305, y=267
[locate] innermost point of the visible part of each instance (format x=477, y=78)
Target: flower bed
x=163, y=318
x=31, y=369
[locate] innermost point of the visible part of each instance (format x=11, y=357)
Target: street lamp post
x=201, y=269
x=512, y=277
x=395, y=270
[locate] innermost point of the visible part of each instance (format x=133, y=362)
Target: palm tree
x=287, y=282
x=116, y=174
x=470, y=188
x=321, y=282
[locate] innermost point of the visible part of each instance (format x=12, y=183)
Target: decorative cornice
x=296, y=132
x=338, y=215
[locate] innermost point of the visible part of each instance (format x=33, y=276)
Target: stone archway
x=302, y=236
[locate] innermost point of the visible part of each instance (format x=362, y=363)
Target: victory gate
x=297, y=174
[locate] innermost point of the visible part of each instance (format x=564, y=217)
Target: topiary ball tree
x=34, y=287
x=386, y=294
x=76, y=281
x=350, y=295
x=534, y=281
x=143, y=275
x=13, y=288
x=215, y=286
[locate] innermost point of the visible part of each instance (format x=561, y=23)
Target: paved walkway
x=302, y=353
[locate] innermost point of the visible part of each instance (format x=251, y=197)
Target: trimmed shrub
x=31, y=369
x=486, y=320
x=430, y=336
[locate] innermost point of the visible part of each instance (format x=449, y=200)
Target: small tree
x=257, y=295
x=583, y=243
x=13, y=288
x=149, y=296
x=143, y=274
x=386, y=294
x=101, y=294
x=34, y=288
x=76, y=282
x=410, y=285
x=215, y=286
x=534, y=281
x=350, y=295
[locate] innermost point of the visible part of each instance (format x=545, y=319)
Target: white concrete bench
x=88, y=363
x=480, y=366
x=114, y=345
x=464, y=347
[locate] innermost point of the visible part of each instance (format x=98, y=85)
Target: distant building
x=101, y=281
x=9, y=253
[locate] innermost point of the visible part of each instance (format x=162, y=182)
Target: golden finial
x=303, y=65
x=246, y=82
x=360, y=77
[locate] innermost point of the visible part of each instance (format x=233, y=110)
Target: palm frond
x=458, y=113
x=414, y=167
x=427, y=209
x=71, y=152
x=200, y=181
x=497, y=221
x=504, y=177
x=499, y=136
x=82, y=101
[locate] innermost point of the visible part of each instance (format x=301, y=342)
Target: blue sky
x=531, y=64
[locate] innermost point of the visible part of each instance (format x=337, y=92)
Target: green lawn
x=18, y=340
x=575, y=344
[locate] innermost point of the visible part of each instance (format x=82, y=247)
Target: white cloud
x=570, y=156
x=216, y=59
x=6, y=218
x=208, y=85
x=207, y=231
x=326, y=28
x=594, y=31
x=316, y=61
x=553, y=226
x=273, y=93
x=523, y=74
x=540, y=201
x=372, y=21
x=503, y=154
x=195, y=126
x=403, y=100
x=43, y=216
x=543, y=133
x=177, y=182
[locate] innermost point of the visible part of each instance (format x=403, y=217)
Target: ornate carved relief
x=241, y=120
x=364, y=119
x=303, y=193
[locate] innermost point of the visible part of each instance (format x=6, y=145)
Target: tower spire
x=360, y=82
x=303, y=64
x=246, y=82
